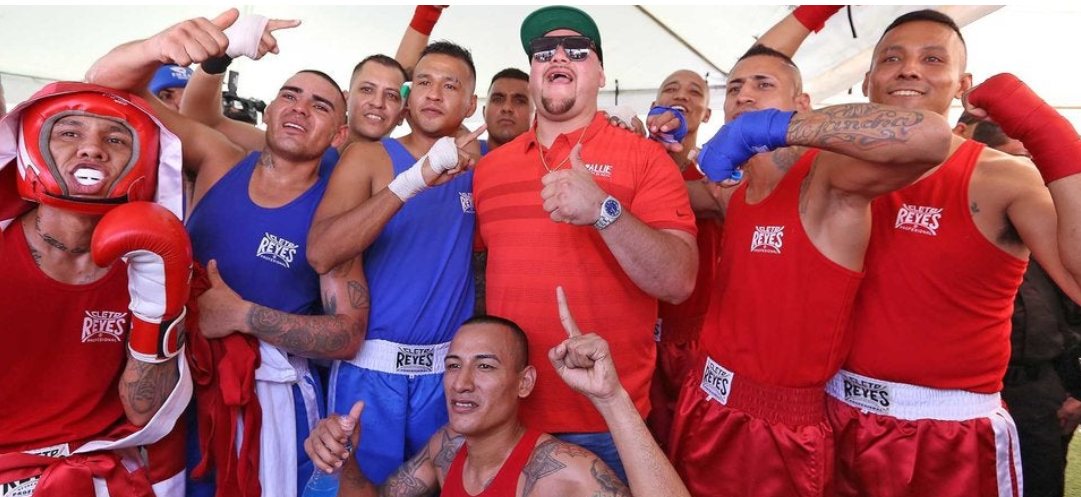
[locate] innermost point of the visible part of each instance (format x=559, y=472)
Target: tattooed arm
x=585, y=363
x=876, y=148
x=565, y=469
x=145, y=386
x=336, y=335
x=422, y=475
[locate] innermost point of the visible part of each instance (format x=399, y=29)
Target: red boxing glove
x=1023, y=115
x=424, y=18
x=159, y=258
x=814, y=17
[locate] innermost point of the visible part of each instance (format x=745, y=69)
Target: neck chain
x=540, y=149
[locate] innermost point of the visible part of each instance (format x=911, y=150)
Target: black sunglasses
x=576, y=47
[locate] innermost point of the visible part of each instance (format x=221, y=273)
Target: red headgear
x=39, y=180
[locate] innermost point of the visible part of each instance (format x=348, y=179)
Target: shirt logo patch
x=767, y=239
x=600, y=170
x=867, y=395
x=104, y=326
x=415, y=360
x=277, y=250
x=717, y=381
x=919, y=219
x=467, y=202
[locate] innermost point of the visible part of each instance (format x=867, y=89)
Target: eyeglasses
x=576, y=47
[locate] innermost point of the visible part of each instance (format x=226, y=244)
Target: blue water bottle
x=323, y=484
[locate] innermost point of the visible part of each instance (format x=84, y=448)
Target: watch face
x=611, y=207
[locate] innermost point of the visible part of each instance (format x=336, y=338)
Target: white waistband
x=912, y=402
x=400, y=358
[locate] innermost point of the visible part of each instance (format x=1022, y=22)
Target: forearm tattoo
x=145, y=386
x=403, y=482
x=610, y=484
x=309, y=336
x=865, y=126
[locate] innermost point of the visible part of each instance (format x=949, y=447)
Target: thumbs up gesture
x=221, y=309
x=584, y=361
x=571, y=195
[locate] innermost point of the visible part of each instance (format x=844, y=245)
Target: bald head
x=688, y=91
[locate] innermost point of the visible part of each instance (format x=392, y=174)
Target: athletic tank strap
x=505, y=482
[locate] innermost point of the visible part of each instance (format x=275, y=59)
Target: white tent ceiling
x=642, y=43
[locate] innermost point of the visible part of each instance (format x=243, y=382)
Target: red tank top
x=780, y=311
x=935, y=307
x=62, y=354
x=683, y=322
x=505, y=483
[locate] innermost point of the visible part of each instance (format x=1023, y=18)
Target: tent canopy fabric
x=643, y=44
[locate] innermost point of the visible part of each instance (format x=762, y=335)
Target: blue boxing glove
x=675, y=136
x=753, y=132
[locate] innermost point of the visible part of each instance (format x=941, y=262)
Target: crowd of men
x=813, y=302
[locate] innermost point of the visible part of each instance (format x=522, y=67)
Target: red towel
x=224, y=374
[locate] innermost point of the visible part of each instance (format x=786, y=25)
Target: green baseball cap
x=555, y=17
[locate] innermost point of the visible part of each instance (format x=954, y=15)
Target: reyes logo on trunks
x=717, y=381
x=19, y=488
x=25, y=487
x=868, y=395
x=415, y=360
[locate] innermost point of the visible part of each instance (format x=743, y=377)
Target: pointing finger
x=565, y=315
x=462, y=141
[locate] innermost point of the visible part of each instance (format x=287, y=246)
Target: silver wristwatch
x=611, y=209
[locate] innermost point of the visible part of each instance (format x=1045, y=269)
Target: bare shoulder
x=557, y=468
x=220, y=158
x=355, y=175
x=360, y=156
x=444, y=445
x=1004, y=176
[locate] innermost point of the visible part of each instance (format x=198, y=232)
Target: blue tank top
x=483, y=147
x=327, y=163
x=261, y=252
x=419, y=269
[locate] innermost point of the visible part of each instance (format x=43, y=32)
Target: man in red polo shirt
x=581, y=204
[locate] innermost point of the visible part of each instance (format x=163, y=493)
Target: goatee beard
x=557, y=107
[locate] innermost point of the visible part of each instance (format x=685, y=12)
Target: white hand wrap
x=441, y=157
x=244, y=36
